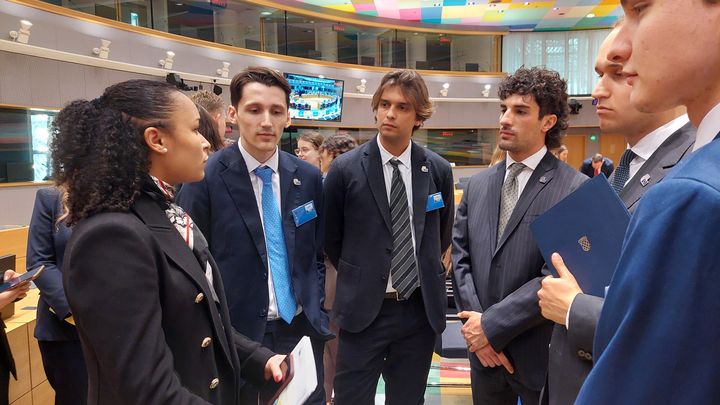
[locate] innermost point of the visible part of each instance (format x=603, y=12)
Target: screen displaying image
x=315, y=98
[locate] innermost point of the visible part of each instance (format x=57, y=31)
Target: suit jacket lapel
x=237, y=181
x=178, y=251
x=661, y=161
x=540, y=177
x=372, y=164
x=290, y=192
x=494, y=192
x=420, y=190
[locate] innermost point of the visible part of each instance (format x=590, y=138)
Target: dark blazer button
x=265, y=275
x=581, y=353
x=588, y=356
x=263, y=312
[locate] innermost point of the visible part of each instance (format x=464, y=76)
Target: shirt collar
x=652, y=141
x=404, y=157
x=531, y=161
x=708, y=129
x=253, y=163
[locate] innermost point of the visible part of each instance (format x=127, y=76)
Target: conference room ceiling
x=514, y=15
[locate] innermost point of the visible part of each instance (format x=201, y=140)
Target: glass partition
x=24, y=135
x=246, y=25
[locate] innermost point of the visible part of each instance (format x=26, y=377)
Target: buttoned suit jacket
x=658, y=320
x=501, y=280
x=359, y=233
x=134, y=289
x=224, y=207
x=571, y=349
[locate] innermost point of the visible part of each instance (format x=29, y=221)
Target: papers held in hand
x=587, y=228
x=299, y=378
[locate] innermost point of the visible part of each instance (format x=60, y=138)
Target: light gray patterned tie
x=508, y=197
x=403, y=267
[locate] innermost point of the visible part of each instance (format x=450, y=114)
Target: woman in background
x=145, y=292
x=332, y=147
x=209, y=129
x=308, y=146
x=57, y=337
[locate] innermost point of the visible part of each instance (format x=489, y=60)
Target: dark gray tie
x=508, y=197
x=403, y=267
x=622, y=172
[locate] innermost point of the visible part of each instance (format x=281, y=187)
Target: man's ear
x=548, y=122
x=289, y=120
x=232, y=115
x=155, y=141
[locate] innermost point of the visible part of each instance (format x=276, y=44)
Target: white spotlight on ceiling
x=224, y=71
x=167, y=63
x=444, y=90
x=361, y=87
x=104, y=50
x=23, y=34
x=486, y=92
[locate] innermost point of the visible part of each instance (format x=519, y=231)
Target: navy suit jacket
x=501, y=279
x=607, y=167
x=46, y=246
x=657, y=338
x=359, y=233
x=224, y=207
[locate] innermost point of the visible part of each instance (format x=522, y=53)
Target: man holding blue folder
x=497, y=264
x=657, y=338
x=657, y=142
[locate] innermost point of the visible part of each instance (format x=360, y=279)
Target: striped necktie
x=403, y=267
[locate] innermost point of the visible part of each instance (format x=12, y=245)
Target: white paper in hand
x=305, y=380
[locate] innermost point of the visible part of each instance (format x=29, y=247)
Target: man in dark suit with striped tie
x=497, y=265
x=389, y=206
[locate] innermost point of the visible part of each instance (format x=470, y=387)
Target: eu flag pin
x=645, y=180
x=296, y=182
x=424, y=169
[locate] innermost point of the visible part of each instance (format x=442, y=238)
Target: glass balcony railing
x=249, y=26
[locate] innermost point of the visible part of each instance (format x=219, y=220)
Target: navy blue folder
x=587, y=228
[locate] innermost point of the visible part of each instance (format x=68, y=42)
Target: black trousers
x=495, y=386
x=4, y=384
x=398, y=345
x=65, y=369
x=282, y=338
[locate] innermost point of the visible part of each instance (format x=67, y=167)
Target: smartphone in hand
x=270, y=392
x=22, y=280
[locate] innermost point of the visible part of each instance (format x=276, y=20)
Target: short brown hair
x=213, y=103
x=258, y=74
x=338, y=144
x=412, y=87
x=208, y=129
x=548, y=90
x=313, y=137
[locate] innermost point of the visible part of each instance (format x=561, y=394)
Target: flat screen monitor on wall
x=315, y=98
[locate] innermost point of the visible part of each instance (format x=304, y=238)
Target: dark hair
x=257, y=74
x=548, y=90
x=312, y=137
x=98, y=147
x=412, y=87
x=208, y=129
x=338, y=144
x=597, y=158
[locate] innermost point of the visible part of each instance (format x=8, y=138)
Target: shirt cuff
x=567, y=316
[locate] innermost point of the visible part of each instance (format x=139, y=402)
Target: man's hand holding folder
x=557, y=293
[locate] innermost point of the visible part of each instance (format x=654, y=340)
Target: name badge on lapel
x=434, y=202
x=304, y=213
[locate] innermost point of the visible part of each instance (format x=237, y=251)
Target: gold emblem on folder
x=585, y=243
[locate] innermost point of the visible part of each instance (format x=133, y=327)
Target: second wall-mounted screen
x=315, y=98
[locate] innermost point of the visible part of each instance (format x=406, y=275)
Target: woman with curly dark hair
x=145, y=292
x=332, y=147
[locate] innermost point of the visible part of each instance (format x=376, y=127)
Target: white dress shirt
x=530, y=163
x=708, y=129
x=405, y=168
x=257, y=184
x=651, y=142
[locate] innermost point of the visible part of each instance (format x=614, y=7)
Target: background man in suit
x=658, y=141
x=656, y=341
x=271, y=262
x=597, y=164
x=389, y=219
x=498, y=267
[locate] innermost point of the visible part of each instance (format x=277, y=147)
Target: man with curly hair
x=497, y=265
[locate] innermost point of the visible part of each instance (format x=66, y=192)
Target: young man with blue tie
x=259, y=208
x=389, y=219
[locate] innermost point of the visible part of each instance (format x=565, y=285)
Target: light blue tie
x=277, y=251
